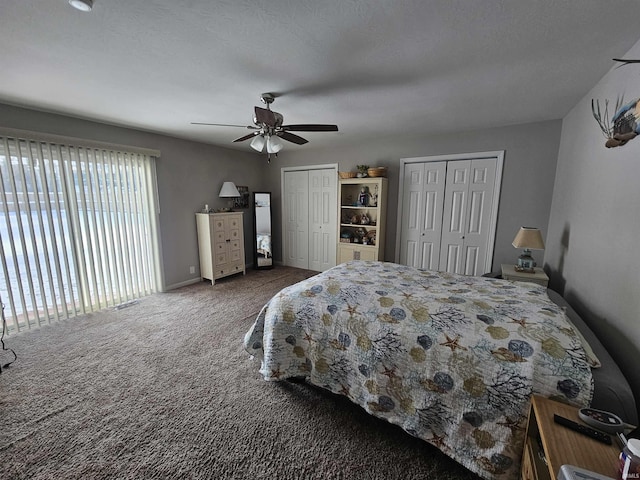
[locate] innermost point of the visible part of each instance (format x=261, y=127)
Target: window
x=77, y=229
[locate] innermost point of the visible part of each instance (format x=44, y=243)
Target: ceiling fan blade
x=310, y=127
x=290, y=137
x=265, y=116
x=224, y=125
x=246, y=137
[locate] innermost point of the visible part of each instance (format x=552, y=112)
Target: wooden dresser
x=220, y=244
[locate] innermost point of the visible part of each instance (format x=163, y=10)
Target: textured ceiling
x=374, y=67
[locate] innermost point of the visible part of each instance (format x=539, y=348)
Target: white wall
x=189, y=175
x=531, y=152
x=594, y=228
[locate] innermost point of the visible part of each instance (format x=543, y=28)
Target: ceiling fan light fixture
x=82, y=5
x=257, y=143
x=274, y=144
x=268, y=127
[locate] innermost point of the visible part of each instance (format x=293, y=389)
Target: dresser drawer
x=236, y=266
x=219, y=237
x=219, y=225
x=228, y=269
x=235, y=223
x=234, y=234
x=221, y=258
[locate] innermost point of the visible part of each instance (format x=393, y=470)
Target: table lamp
x=229, y=190
x=528, y=238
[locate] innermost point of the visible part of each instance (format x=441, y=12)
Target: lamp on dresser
x=528, y=238
x=230, y=191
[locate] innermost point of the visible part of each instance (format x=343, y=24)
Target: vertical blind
x=78, y=229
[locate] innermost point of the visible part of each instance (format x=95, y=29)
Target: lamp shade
x=530, y=238
x=229, y=190
x=274, y=144
x=257, y=143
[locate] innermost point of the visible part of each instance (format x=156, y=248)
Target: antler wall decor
x=624, y=125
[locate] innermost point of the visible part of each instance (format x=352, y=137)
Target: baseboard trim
x=183, y=284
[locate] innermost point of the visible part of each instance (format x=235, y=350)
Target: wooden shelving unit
x=362, y=218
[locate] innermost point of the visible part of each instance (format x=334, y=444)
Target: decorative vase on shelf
x=362, y=170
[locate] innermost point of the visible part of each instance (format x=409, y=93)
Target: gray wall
x=189, y=175
x=594, y=225
x=531, y=153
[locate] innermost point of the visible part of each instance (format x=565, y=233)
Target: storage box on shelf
x=362, y=218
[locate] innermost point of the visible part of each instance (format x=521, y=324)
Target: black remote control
x=590, y=432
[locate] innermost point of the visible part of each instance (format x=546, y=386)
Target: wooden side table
x=548, y=445
x=509, y=272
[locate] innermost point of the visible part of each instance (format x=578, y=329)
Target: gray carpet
x=164, y=390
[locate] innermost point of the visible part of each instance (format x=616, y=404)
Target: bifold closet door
x=310, y=218
x=322, y=219
x=296, y=187
x=446, y=214
x=423, y=200
x=467, y=215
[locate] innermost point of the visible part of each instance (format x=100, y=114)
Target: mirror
x=263, y=254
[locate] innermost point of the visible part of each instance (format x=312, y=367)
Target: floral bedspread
x=451, y=359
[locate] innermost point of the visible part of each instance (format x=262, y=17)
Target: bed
x=451, y=359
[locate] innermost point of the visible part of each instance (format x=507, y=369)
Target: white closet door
x=322, y=219
x=454, y=217
x=449, y=213
x=482, y=178
x=423, y=199
x=467, y=216
x=296, y=185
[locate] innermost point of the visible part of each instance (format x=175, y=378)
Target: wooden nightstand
x=560, y=445
x=509, y=273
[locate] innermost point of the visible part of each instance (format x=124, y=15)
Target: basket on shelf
x=347, y=174
x=377, y=171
